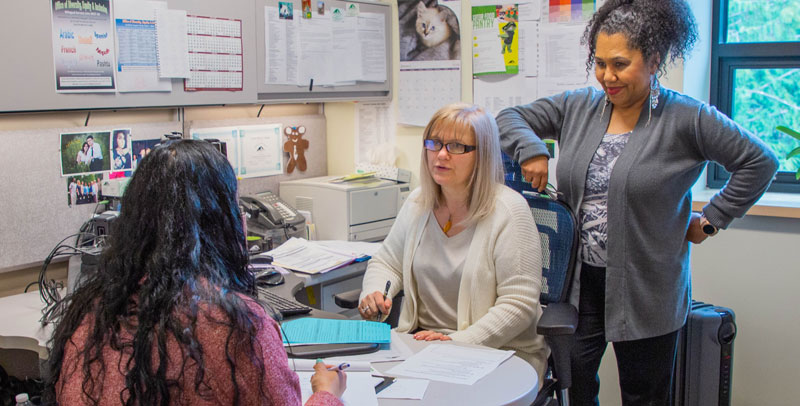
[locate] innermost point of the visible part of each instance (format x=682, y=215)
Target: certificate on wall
x=260, y=150
x=82, y=46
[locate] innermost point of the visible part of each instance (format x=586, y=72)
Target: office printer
x=359, y=210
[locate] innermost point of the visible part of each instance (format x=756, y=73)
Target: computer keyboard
x=282, y=305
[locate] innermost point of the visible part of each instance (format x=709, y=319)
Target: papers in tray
x=305, y=256
x=310, y=330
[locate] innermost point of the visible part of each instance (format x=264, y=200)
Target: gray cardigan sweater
x=648, y=286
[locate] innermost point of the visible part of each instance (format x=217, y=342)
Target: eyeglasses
x=455, y=148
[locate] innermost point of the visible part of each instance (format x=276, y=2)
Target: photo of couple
x=92, y=152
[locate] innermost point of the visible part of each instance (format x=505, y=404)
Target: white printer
x=360, y=210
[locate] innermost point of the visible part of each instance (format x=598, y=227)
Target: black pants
x=645, y=366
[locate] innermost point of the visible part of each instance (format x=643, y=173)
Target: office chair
x=558, y=233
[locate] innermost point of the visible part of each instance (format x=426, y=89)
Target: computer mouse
x=269, y=278
x=260, y=260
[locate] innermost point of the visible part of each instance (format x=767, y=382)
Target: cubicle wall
x=29, y=80
x=34, y=213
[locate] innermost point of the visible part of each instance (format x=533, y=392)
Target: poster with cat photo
x=430, y=58
x=429, y=30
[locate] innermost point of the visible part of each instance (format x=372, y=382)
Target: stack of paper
x=305, y=256
x=451, y=363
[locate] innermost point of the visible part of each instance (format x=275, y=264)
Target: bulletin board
x=34, y=211
x=28, y=78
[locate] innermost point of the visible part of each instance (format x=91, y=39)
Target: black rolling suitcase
x=704, y=362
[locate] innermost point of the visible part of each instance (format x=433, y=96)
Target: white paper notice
x=228, y=135
x=173, y=43
x=487, y=55
x=261, y=150
x=496, y=92
x=530, y=11
x=451, y=363
x=375, y=137
x=280, y=35
x=360, y=382
x=346, y=50
x=315, y=51
x=137, y=52
x=529, y=47
x=561, y=53
x=372, y=39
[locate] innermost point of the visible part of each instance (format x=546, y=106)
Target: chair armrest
x=558, y=319
x=347, y=300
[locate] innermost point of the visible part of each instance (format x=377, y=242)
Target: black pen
x=385, y=293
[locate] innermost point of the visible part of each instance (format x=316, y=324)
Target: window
x=755, y=76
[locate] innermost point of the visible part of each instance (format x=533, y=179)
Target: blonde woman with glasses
x=464, y=247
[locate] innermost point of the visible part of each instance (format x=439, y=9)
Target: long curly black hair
x=664, y=29
x=178, y=243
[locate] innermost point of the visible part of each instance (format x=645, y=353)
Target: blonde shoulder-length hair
x=461, y=119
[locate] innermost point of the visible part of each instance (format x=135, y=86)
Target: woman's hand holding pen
x=374, y=303
x=328, y=378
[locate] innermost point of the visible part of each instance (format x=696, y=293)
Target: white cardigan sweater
x=498, y=298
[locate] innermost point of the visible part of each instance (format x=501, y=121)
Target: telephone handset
x=270, y=211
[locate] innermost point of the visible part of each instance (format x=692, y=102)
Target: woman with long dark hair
x=169, y=316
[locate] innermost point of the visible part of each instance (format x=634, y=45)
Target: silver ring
x=366, y=308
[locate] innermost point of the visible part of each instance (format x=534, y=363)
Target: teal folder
x=309, y=330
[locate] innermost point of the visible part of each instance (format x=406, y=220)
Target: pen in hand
x=340, y=367
x=385, y=293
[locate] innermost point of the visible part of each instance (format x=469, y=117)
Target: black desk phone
x=270, y=211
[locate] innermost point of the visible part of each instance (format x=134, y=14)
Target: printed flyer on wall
x=83, y=46
x=495, y=39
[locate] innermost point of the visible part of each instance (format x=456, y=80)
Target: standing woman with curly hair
x=169, y=316
x=629, y=157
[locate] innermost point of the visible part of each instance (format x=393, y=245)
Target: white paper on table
x=173, y=43
x=372, y=40
x=496, y=92
x=261, y=150
x=397, y=350
x=405, y=388
x=345, y=50
x=314, y=43
x=354, y=248
x=137, y=52
x=360, y=382
x=306, y=256
x=451, y=363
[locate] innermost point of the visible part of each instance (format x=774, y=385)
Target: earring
x=655, y=91
x=607, y=100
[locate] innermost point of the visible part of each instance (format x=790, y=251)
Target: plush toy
x=296, y=146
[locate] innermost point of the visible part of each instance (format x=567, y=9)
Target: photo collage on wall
x=89, y=157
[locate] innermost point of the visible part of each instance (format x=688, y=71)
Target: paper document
x=360, y=382
x=451, y=363
x=405, y=389
x=354, y=248
x=173, y=43
x=310, y=330
x=305, y=256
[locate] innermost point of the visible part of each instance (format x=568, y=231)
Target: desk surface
x=19, y=323
x=514, y=382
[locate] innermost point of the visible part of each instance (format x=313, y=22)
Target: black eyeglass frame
x=435, y=145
